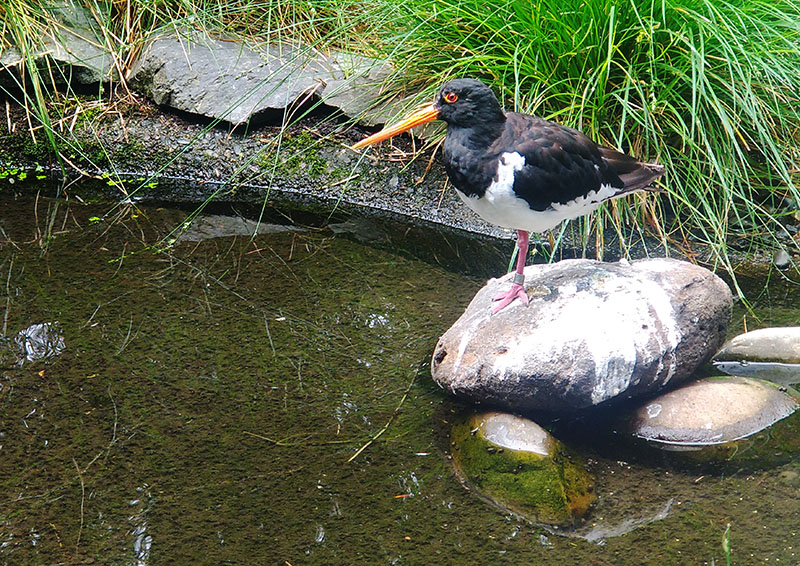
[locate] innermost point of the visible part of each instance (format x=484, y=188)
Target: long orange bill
x=427, y=114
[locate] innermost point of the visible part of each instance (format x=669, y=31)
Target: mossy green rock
x=517, y=465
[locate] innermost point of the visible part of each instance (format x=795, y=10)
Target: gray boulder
x=78, y=45
x=220, y=79
x=236, y=82
x=592, y=333
x=73, y=42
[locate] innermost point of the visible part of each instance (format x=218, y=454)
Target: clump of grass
x=707, y=87
x=123, y=27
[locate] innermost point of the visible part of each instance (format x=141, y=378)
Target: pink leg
x=517, y=290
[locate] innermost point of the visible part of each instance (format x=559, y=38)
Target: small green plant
x=726, y=544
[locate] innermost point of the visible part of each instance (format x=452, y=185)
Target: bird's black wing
x=561, y=163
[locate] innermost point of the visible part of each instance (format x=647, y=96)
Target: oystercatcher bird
x=520, y=171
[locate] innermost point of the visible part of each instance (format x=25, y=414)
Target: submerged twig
x=388, y=423
x=298, y=443
x=269, y=336
x=83, y=498
x=8, y=297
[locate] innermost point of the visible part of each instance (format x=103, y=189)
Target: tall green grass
x=708, y=87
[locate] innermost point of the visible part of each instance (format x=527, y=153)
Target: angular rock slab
x=713, y=411
x=75, y=44
x=592, y=333
x=236, y=82
x=79, y=45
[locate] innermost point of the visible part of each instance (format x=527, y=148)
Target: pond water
x=268, y=401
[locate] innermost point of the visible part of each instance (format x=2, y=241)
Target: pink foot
x=504, y=299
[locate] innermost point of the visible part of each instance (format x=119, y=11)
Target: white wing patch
x=587, y=202
x=499, y=205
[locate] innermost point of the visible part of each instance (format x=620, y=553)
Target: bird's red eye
x=450, y=97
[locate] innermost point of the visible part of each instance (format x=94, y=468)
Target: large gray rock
x=73, y=42
x=355, y=84
x=592, y=333
x=236, y=82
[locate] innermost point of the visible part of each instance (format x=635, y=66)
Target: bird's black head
x=466, y=103
x=471, y=111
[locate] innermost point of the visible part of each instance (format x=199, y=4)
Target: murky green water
x=211, y=397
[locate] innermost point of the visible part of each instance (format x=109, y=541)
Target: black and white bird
x=520, y=171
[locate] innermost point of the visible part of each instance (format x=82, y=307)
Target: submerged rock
x=592, y=333
x=713, y=411
x=209, y=226
x=519, y=466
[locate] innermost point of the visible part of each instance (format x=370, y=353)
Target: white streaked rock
x=592, y=333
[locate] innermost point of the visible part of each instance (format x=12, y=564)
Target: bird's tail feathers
x=635, y=175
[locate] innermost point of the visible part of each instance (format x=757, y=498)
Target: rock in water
x=778, y=344
x=592, y=333
x=768, y=353
x=713, y=411
x=515, y=464
x=731, y=422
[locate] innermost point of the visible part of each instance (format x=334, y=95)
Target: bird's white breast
x=499, y=205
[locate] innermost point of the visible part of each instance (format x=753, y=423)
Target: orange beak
x=427, y=114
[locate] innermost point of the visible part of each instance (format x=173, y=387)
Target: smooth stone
x=713, y=411
x=592, y=333
x=518, y=466
x=781, y=259
x=516, y=433
x=769, y=353
x=778, y=344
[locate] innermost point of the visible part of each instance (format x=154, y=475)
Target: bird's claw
x=505, y=298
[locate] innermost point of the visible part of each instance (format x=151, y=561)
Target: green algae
x=552, y=489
